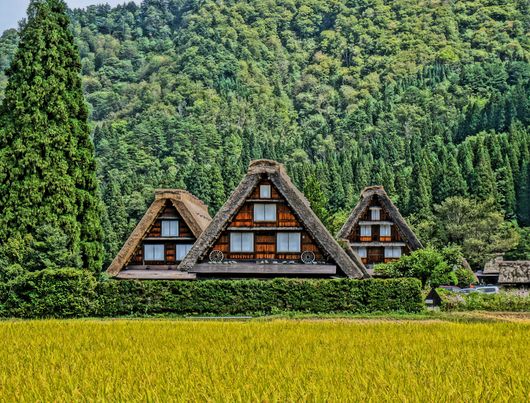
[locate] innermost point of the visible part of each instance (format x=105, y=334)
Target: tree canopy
x=49, y=201
x=429, y=99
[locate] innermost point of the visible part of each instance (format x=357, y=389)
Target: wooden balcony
x=255, y=268
x=376, y=244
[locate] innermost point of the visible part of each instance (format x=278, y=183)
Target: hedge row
x=506, y=301
x=74, y=293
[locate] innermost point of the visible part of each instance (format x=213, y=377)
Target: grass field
x=279, y=360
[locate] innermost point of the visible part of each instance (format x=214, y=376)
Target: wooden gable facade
x=377, y=231
x=267, y=229
x=162, y=238
x=266, y=232
x=176, y=239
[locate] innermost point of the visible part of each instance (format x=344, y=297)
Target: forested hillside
x=429, y=98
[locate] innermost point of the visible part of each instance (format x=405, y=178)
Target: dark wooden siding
x=169, y=212
x=265, y=240
x=376, y=254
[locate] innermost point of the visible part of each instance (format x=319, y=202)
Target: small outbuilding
x=506, y=272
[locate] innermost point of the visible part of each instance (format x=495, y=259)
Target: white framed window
x=385, y=230
x=265, y=192
x=393, y=252
x=182, y=250
x=366, y=230
x=362, y=252
x=264, y=212
x=154, y=252
x=375, y=213
x=170, y=228
x=288, y=242
x=241, y=242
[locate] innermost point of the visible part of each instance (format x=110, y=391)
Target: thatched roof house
x=376, y=230
x=266, y=229
x=162, y=238
x=506, y=272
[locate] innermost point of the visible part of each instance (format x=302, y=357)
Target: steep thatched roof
x=276, y=173
x=514, y=272
x=191, y=209
x=367, y=195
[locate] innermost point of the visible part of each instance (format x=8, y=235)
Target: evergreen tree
x=421, y=197
x=47, y=166
x=483, y=185
x=317, y=198
x=523, y=191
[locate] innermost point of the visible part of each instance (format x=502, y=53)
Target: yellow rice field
x=280, y=360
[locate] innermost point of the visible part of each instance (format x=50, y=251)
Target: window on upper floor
x=154, y=252
x=385, y=230
x=366, y=230
x=375, y=213
x=170, y=228
x=290, y=242
x=265, y=192
x=264, y=212
x=241, y=242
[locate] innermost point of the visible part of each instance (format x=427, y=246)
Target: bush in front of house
x=505, y=301
x=70, y=293
x=433, y=267
x=49, y=293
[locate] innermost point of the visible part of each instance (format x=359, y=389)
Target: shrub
x=433, y=267
x=427, y=264
x=507, y=301
x=48, y=293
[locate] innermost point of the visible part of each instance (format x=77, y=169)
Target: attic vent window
x=170, y=228
x=265, y=191
x=264, y=212
x=375, y=213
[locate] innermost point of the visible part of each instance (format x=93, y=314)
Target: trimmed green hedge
x=61, y=293
x=75, y=293
x=246, y=297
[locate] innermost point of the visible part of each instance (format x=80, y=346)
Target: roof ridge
x=181, y=195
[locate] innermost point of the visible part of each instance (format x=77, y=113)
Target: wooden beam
x=153, y=267
x=265, y=228
x=376, y=244
x=254, y=268
x=265, y=200
x=376, y=223
x=156, y=275
x=169, y=238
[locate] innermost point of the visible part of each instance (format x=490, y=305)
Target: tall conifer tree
x=47, y=164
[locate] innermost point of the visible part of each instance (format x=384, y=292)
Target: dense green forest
x=429, y=98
